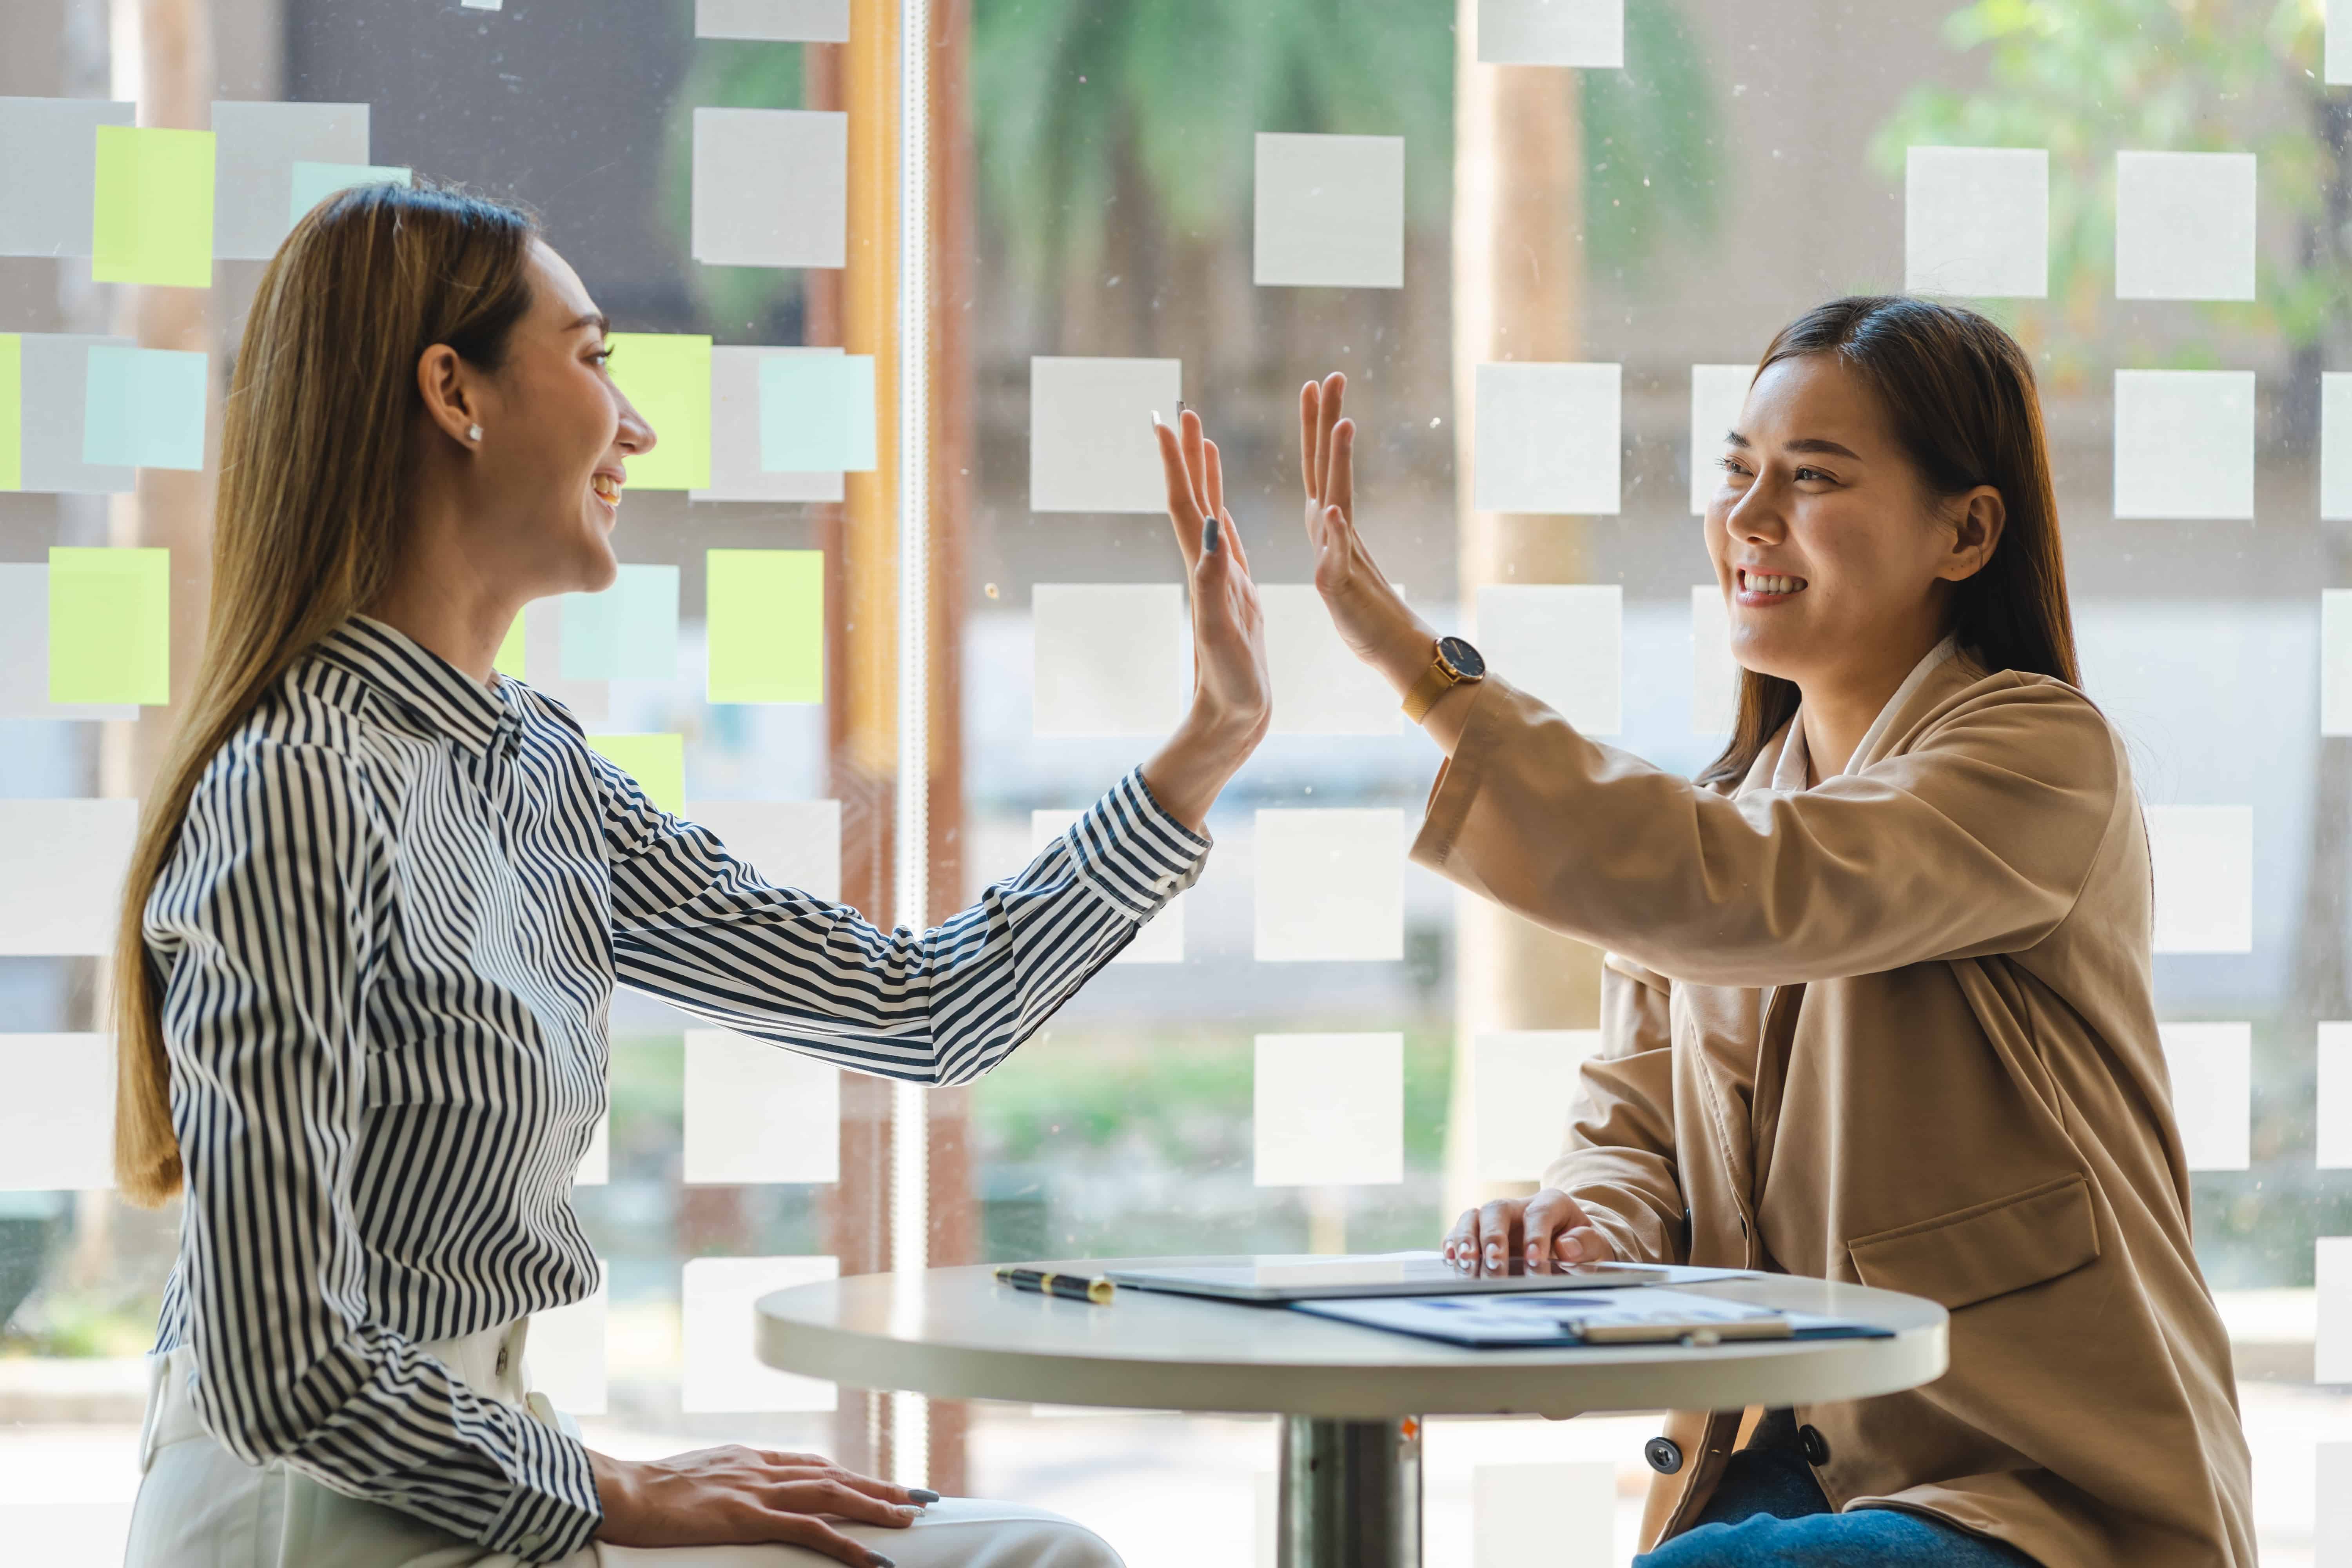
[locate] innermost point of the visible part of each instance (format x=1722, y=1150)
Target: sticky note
x=152, y=216
x=2211, y=1066
x=766, y=627
x=314, y=182
x=2185, y=444
x=1719, y=392
x=55, y=366
x=2204, y=857
x=1521, y=1514
x=596, y=1165
x=1329, y=211
x=1714, y=674
x=1563, y=644
x=757, y=1112
x=816, y=414
x=589, y=701
x=56, y=1120
x=513, y=655
x=2332, y=1274
x=667, y=376
x=736, y=473
x=657, y=762
x=2335, y=445
x=1549, y=438
x=63, y=863
x=25, y=650
x=1161, y=938
x=257, y=147
x=790, y=843
x=809, y=21
x=2332, y=1108
x=1328, y=1110
x=2184, y=225
x=2336, y=61
x=1319, y=687
x=1330, y=884
x=2331, y=1533
x=1109, y=658
x=1091, y=443
x=565, y=1353
x=771, y=187
x=1522, y=1082
x=1976, y=221
x=483, y=5
x=1588, y=33
x=109, y=626
x=12, y=412
x=629, y=632
x=2336, y=661
x=723, y=1373
x=48, y=172
x=144, y=408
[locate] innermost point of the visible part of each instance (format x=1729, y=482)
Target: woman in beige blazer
x=1877, y=1001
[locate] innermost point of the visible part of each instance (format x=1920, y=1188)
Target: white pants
x=200, y=1506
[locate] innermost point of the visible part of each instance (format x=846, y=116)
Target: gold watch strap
x=1435, y=682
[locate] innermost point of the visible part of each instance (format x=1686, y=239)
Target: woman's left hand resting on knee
x=738, y=1495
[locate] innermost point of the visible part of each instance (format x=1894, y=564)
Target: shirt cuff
x=1130, y=850
x=555, y=1512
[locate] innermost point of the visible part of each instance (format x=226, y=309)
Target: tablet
x=1310, y=1277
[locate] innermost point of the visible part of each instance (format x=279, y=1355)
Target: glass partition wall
x=898, y=600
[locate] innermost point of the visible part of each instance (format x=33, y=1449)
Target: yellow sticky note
x=667, y=376
x=657, y=762
x=12, y=412
x=151, y=211
x=509, y=659
x=109, y=626
x=766, y=632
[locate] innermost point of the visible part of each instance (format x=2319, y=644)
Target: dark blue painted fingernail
x=923, y=1495
x=1208, y=537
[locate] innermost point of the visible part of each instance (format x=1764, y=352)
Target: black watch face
x=1461, y=658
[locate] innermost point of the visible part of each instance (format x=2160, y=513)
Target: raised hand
x=1371, y=617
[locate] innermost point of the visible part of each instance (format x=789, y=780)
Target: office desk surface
x=956, y=1333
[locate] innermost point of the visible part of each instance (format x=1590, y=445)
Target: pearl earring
x=473, y=432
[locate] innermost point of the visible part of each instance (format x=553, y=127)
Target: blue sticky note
x=816, y=414
x=143, y=408
x=629, y=632
x=314, y=183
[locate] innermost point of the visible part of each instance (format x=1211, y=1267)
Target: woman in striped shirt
x=381, y=895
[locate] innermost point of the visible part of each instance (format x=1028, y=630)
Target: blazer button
x=1664, y=1455
x=1816, y=1446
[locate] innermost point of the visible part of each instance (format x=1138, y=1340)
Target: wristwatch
x=1456, y=664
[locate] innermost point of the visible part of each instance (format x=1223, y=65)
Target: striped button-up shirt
x=389, y=938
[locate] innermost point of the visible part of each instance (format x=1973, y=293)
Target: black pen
x=1070, y=1287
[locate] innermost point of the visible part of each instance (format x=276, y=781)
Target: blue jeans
x=1769, y=1513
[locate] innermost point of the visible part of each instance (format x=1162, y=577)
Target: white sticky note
x=771, y=187
x=1561, y=643
x=2336, y=661
x=2331, y=1533
x=1091, y=443
x=1266, y=1497
x=255, y=150
x=591, y=701
x=2333, y=1107
x=790, y=843
x=596, y=1165
x=48, y=176
x=1549, y=438
x=56, y=1120
x=2336, y=62
x=2184, y=225
x=55, y=375
x=483, y=5
x=1319, y=687
x=1714, y=674
x=1521, y=1514
x=2185, y=444
x=1111, y=659
x=2332, y=1276
x=24, y=649
x=1719, y=392
x=1522, y=1082
x=757, y=1112
x=62, y=862
x=1161, y=939
x=723, y=1373
x=1976, y=221
x=2335, y=445
x=2212, y=1091
x=1329, y=211
x=1588, y=33
x=1330, y=885
x=2204, y=857
x=1328, y=1110
x=735, y=471
x=565, y=1352
x=782, y=21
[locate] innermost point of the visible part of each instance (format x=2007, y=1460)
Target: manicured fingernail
x=1572, y=1248
x=1155, y=416
x=875, y=1560
x=1208, y=537
x=923, y=1495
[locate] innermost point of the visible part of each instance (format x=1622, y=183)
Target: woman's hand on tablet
x=1371, y=617
x=1549, y=1227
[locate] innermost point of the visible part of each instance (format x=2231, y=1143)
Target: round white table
x=1350, y=1398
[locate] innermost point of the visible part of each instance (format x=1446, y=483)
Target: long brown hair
x=1959, y=393
x=322, y=408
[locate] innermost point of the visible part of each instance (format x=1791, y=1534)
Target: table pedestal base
x=1350, y=1494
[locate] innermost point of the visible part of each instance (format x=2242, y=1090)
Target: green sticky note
x=152, y=209
x=109, y=626
x=657, y=762
x=12, y=412
x=627, y=632
x=509, y=659
x=667, y=376
x=766, y=611
x=314, y=183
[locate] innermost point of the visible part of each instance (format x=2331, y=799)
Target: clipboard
x=1596, y=1319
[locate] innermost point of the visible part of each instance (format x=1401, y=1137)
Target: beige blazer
x=1896, y=1028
